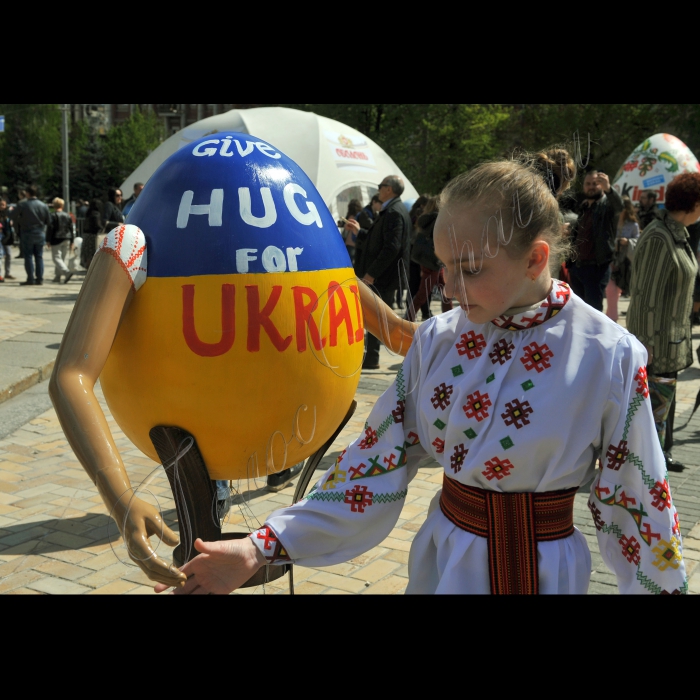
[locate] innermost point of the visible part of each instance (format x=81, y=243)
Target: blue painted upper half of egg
x=232, y=203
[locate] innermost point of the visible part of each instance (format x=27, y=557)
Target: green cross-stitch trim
x=384, y=425
x=637, y=513
x=638, y=463
x=326, y=496
x=389, y=497
x=648, y=583
x=612, y=528
x=400, y=389
x=456, y=371
x=633, y=408
x=684, y=587
x=490, y=378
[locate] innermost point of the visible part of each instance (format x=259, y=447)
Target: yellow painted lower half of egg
x=260, y=368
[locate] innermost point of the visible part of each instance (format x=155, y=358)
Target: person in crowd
x=32, y=219
x=648, y=208
x=113, y=215
x=83, y=206
x=349, y=236
x=92, y=226
x=694, y=241
x=594, y=238
x=621, y=267
x=366, y=218
x=14, y=212
x=126, y=208
x=7, y=237
x=568, y=222
x=477, y=381
x=60, y=237
x=414, y=269
x=423, y=254
x=385, y=245
x=661, y=300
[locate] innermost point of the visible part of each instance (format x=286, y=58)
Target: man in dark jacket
x=383, y=246
x=594, y=238
x=647, y=208
x=32, y=219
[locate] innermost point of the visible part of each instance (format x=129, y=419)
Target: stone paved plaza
x=57, y=537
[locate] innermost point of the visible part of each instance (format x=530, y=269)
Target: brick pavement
x=56, y=537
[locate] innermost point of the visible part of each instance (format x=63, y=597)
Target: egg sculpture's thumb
x=248, y=330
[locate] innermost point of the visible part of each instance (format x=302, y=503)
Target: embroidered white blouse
x=524, y=403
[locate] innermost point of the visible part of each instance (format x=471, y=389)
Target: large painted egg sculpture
x=248, y=330
x=652, y=165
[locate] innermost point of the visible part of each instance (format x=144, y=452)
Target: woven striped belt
x=512, y=523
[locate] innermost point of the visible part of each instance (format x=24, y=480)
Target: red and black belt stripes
x=512, y=523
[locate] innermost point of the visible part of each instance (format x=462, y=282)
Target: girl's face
x=497, y=282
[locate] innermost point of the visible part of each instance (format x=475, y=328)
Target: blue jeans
x=33, y=253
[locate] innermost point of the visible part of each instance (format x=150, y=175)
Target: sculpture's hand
x=220, y=568
x=137, y=521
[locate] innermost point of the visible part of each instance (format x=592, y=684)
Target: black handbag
x=423, y=251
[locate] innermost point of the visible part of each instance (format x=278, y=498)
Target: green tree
x=430, y=143
x=30, y=144
x=127, y=144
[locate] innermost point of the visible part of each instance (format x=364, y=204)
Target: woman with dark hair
x=661, y=300
x=94, y=224
x=112, y=213
x=621, y=267
x=354, y=208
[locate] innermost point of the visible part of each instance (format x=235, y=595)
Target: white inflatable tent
x=341, y=162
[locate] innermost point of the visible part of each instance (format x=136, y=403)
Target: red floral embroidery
x=517, y=413
x=359, y=498
x=439, y=445
x=537, y=357
x=471, y=345
x=369, y=440
x=662, y=495
x=477, y=405
x=641, y=379
x=399, y=411
x=630, y=549
x=497, y=469
x=441, y=397
x=617, y=455
x=457, y=459
x=502, y=351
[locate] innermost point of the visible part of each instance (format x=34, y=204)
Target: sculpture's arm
x=383, y=323
x=104, y=298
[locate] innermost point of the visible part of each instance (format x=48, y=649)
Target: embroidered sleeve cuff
x=267, y=542
x=127, y=245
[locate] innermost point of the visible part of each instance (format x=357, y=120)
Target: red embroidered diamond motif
x=359, y=498
x=517, y=413
x=537, y=357
x=630, y=549
x=457, y=459
x=662, y=497
x=441, y=397
x=369, y=439
x=641, y=379
x=617, y=455
x=477, y=406
x=502, y=351
x=471, y=345
x=497, y=469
